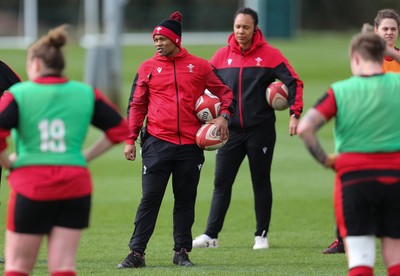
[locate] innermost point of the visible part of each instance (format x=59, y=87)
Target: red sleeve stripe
x=118, y=133
x=326, y=105
x=6, y=99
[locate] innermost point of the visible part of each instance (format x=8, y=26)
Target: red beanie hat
x=171, y=28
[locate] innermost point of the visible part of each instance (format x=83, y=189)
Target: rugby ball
x=207, y=107
x=207, y=138
x=277, y=95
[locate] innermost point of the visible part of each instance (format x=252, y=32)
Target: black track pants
x=160, y=160
x=258, y=144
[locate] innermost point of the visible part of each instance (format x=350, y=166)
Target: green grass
x=302, y=216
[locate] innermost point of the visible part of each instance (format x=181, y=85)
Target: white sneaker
x=260, y=242
x=204, y=241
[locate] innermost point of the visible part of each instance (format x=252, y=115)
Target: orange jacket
x=390, y=65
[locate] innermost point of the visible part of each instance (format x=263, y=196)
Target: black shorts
x=39, y=217
x=369, y=203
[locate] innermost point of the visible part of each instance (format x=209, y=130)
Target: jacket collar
x=50, y=79
x=182, y=53
x=258, y=41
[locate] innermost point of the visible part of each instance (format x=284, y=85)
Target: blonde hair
x=48, y=49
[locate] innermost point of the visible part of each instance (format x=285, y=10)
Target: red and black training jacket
x=249, y=73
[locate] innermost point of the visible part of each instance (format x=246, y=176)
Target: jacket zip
x=240, y=93
x=177, y=103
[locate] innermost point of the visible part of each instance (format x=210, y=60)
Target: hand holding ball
x=207, y=138
x=277, y=95
x=207, y=107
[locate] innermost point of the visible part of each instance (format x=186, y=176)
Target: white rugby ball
x=207, y=138
x=207, y=107
x=277, y=95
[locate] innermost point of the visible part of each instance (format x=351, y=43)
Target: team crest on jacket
x=258, y=60
x=159, y=69
x=229, y=61
x=190, y=66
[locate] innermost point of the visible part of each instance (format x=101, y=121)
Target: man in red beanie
x=165, y=90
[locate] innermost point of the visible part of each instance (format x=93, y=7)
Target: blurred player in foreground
x=7, y=78
x=50, y=184
x=386, y=25
x=367, y=158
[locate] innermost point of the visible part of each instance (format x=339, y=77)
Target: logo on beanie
x=171, y=28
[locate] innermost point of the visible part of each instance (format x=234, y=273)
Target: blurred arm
x=307, y=129
x=99, y=147
x=393, y=53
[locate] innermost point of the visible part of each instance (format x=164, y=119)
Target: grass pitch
x=302, y=217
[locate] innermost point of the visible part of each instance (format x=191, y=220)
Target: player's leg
x=21, y=251
x=62, y=249
x=157, y=167
x=260, y=144
x=367, y=205
x=355, y=217
x=157, y=156
x=1, y=173
x=390, y=229
x=63, y=240
x=185, y=179
x=361, y=255
x=27, y=223
x=227, y=163
x=186, y=170
x=391, y=255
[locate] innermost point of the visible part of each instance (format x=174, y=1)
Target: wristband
x=225, y=115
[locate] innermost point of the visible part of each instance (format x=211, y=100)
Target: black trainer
x=133, y=260
x=182, y=258
x=336, y=247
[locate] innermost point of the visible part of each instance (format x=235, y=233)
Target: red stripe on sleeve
x=118, y=133
x=6, y=99
x=327, y=105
